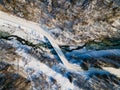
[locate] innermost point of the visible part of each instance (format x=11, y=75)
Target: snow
x=29, y=63
x=113, y=71
x=29, y=27
x=93, y=53
x=38, y=67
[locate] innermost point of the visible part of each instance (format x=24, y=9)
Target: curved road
x=27, y=26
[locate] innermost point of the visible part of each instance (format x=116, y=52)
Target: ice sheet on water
x=93, y=53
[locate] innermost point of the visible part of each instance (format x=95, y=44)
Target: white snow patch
x=39, y=67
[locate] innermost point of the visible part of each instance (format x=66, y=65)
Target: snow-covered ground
x=32, y=32
x=34, y=67
x=29, y=27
